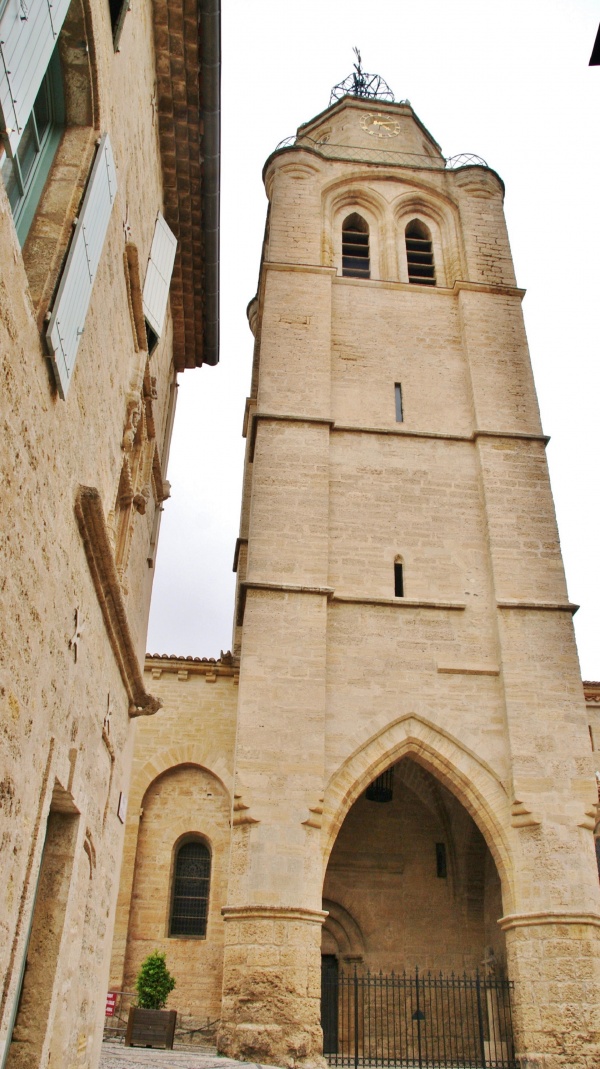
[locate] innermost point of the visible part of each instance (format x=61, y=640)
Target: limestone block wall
x=182, y=784
x=65, y=730
x=471, y=673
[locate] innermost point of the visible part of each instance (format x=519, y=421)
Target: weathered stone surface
x=69, y=661
x=468, y=684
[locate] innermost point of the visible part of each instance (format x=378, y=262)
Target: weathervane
x=361, y=84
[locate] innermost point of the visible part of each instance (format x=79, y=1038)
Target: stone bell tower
x=401, y=605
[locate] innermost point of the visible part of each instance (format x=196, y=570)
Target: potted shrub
x=149, y=1024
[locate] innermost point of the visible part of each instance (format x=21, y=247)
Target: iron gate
x=450, y=1022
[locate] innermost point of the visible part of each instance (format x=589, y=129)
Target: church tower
x=413, y=784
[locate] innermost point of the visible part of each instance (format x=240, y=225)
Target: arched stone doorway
x=411, y=882
x=413, y=958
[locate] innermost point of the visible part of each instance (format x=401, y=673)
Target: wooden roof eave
x=188, y=72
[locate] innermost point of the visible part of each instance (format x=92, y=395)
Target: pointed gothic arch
x=471, y=780
x=440, y=216
x=343, y=199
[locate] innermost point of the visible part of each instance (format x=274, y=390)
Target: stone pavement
x=116, y=1056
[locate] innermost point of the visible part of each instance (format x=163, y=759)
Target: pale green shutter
x=70, y=308
x=28, y=33
x=158, y=275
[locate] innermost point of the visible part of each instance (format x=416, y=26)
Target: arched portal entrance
x=411, y=879
x=413, y=957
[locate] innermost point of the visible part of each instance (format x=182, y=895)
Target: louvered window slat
x=68, y=316
x=26, y=45
x=158, y=275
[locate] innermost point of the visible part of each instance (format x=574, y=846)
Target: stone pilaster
x=272, y=986
x=554, y=961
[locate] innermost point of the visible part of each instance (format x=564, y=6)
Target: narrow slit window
x=399, y=412
x=441, y=865
x=191, y=886
x=419, y=254
x=398, y=580
x=355, y=247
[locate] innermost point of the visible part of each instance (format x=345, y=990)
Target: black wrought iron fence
x=410, y=1020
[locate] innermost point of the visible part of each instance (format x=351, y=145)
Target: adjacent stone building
x=108, y=201
x=394, y=766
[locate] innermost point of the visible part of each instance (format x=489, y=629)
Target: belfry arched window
x=355, y=247
x=419, y=254
x=191, y=888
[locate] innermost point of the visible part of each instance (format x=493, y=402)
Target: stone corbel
x=94, y=533
x=315, y=819
x=140, y=500
x=590, y=818
x=522, y=817
x=241, y=814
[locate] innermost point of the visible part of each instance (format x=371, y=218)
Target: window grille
x=191, y=886
x=419, y=254
x=382, y=788
x=355, y=247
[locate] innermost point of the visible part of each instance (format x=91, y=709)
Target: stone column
x=272, y=986
x=554, y=961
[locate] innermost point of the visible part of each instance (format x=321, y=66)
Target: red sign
x=111, y=1002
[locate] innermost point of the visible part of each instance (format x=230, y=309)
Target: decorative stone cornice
x=591, y=690
x=534, y=920
x=96, y=542
x=274, y=913
x=253, y=417
x=540, y=606
x=398, y=603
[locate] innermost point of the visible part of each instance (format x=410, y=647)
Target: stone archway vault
x=472, y=781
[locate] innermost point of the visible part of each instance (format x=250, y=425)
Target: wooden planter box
x=150, y=1028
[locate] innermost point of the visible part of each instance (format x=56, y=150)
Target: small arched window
x=419, y=254
x=355, y=247
x=191, y=887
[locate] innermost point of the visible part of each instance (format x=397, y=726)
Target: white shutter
x=158, y=275
x=70, y=308
x=28, y=33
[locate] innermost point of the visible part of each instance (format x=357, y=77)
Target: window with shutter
x=72, y=300
x=158, y=280
x=28, y=33
x=25, y=173
x=355, y=247
x=419, y=254
x=118, y=10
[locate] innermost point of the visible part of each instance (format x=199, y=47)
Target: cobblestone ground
x=116, y=1056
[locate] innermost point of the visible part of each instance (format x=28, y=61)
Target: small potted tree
x=149, y=1024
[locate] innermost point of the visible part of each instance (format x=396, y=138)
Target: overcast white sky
x=506, y=79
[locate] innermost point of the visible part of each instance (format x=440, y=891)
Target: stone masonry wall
x=182, y=783
x=53, y=704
